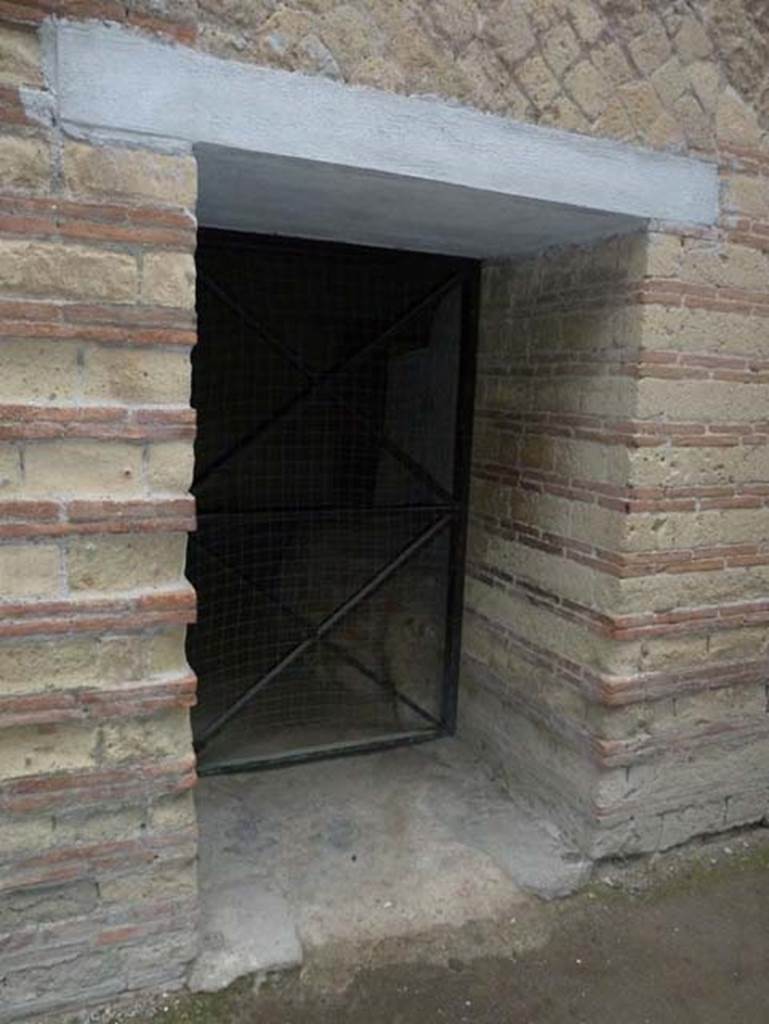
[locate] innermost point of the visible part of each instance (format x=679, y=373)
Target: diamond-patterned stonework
x=680, y=75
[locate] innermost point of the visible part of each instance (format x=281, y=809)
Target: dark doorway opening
x=333, y=386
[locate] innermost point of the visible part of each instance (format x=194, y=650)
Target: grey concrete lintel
x=383, y=168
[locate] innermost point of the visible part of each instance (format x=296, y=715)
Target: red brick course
x=614, y=691
x=130, y=700
x=34, y=11
x=89, y=861
x=125, y=423
x=106, y=614
x=12, y=110
x=149, y=780
x=632, y=433
x=631, y=626
x=20, y=519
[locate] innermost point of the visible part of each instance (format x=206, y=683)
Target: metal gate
x=333, y=386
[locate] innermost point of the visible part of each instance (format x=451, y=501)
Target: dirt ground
x=670, y=940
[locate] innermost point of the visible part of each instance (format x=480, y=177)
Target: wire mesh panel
x=332, y=386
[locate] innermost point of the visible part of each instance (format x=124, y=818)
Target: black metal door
x=333, y=386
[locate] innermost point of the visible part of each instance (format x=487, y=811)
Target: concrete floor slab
x=361, y=850
x=245, y=926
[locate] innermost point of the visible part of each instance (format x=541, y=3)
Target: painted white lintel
x=111, y=79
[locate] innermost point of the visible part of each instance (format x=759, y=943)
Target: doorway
x=333, y=386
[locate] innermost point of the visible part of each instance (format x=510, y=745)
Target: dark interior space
x=333, y=389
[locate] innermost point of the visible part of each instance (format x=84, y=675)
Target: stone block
x=698, y=467
x=660, y=531
x=701, y=400
x=508, y=30
x=168, y=279
x=44, y=904
x=725, y=265
x=609, y=58
x=538, y=81
x=166, y=651
x=696, y=124
x=588, y=88
x=736, y=122
x=642, y=104
x=670, y=80
x=107, y=469
x=691, y=41
x=38, y=371
x=169, y=467
x=587, y=21
x=76, y=661
x=54, y=270
x=703, y=330
x=173, y=813
x=30, y=571
x=705, y=79
x=747, y=195
x=614, y=121
x=666, y=591
x=19, y=56
x=38, y=750
x=560, y=47
x=134, y=174
x=10, y=470
x=26, y=834
x=142, y=376
x=125, y=561
x=167, y=735
x=650, y=48
x=177, y=882
x=25, y=163
x=113, y=822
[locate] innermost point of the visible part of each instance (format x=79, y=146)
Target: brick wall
x=559, y=341
x=97, y=879
x=617, y=617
